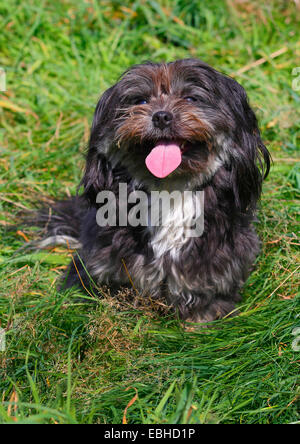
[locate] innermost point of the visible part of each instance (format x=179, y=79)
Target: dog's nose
x=162, y=119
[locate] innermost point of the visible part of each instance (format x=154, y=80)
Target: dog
x=162, y=127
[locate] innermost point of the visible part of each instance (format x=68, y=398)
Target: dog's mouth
x=166, y=156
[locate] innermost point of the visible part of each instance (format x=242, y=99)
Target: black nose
x=162, y=119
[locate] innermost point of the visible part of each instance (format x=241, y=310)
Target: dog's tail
x=59, y=223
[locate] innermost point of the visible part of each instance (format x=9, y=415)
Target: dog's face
x=176, y=123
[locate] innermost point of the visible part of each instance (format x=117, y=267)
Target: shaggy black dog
x=164, y=127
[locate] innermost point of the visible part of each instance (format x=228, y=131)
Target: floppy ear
x=250, y=165
x=104, y=112
x=98, y=174
x=250, y=159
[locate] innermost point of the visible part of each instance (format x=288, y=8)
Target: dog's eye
x=140, y=101
x=190, y=99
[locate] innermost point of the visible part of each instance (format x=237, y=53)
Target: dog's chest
x=172, y=234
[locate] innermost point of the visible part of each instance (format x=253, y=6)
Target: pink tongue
x=163, y=159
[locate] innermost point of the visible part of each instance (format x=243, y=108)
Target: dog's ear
x=98, y=174
x=104, y=111
x=249, y=158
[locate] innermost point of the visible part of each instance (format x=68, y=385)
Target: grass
x=75, y=362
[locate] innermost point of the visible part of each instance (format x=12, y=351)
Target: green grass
x=75, y=362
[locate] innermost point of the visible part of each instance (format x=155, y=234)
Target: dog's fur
x=224, y=156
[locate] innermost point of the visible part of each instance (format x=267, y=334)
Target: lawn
x=68, y=360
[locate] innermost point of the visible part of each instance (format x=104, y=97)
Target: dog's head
x=176, y=124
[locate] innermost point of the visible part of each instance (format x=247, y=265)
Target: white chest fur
x=177, y=223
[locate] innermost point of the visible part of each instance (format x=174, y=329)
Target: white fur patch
x=60, y=240
x=174, y=232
